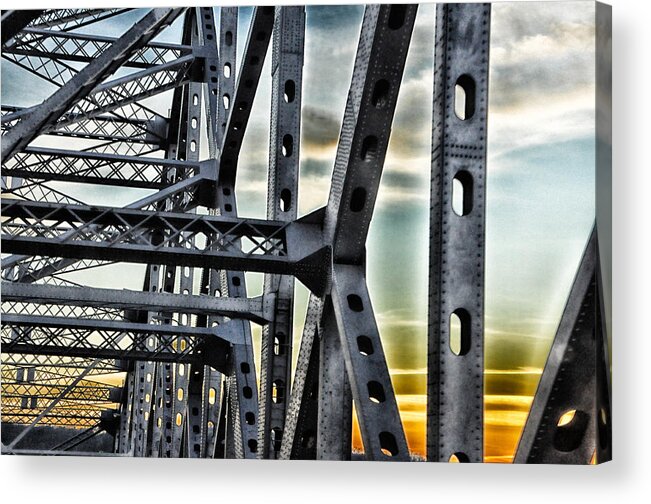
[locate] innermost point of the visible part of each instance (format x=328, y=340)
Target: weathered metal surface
x=282, y=203
x=457, y=234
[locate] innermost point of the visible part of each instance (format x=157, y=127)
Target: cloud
x=542, y=75
x=560, y=119
x=320, y=129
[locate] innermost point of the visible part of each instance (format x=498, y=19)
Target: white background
x=627, y=478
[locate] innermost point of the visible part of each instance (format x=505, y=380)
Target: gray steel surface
x=457, y=234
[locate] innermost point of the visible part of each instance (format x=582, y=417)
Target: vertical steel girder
x=238, y=421
x=204, y=387
x=188, y=149
x=282, y=202
x=570, y=416
x=457, y=234
x=213, y=406
x=160, y=425
x=379, y=64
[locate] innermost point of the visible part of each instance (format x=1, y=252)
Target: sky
x=540, y=190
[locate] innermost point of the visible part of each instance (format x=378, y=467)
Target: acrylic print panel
x=326, y=232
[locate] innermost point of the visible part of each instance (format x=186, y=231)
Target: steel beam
x=82, y=392
x=96, y=168
x=300, y=436
x=457, y=234
x=247, y=84
x=384, y=41
x=253, y=309
x=13, y=21
x=216, y=404
x=570, y=416
x=242, y=405
x=112, y=234
x=375, y=402
x=226, y=81
x=81, y=84
x=188, y=147
x=205, y=385
x=68, y=19
x=115, y=340
x=78, y=47
x=105, y=127
x=335, y=402
x=282, y=202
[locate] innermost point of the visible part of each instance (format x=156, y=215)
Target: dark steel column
x=282, y=203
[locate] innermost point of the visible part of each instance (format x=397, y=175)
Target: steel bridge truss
x=180, y=350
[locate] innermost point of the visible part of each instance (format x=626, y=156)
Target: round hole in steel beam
x=376, y=392
x=290, y=91
x=278, y=391
x=355, y=303
x=465, y=97
x=358, y=199
x=285, y=200
x=458, y=458
x=388, y=444
x=276, y=438
x=249, y=418
x=397, y=14
x=462, y=193
x=287, y=147
x=247, y=392
x=280, y=343
x=570, y=430
x=380, y=96
x=369, y=148
x=228, y=38
x=460, y=332
x=365, y=345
